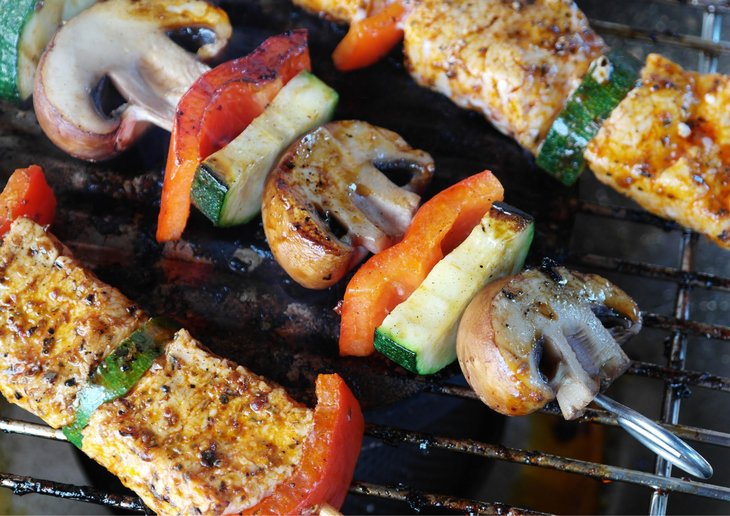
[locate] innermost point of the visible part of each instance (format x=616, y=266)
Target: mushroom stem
x=583, y=360
x=153, y=88
x=127, y=41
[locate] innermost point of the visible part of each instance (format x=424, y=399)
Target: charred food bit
x=328, y=201
x=667, y=146
x=544, y=334
x=126, y=41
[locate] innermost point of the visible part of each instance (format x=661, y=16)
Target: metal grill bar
x=647, y=270
x=419, y=501
x=21, y=485
x=546, y=460
x=680, y=376
x=436, y=501
x=708, y=6
x=626, y=214
x=690, y=433
x=645, y=369
x=667, y=38
x=673, y=393
x=684, y=326
x=671, y=401
x=13, y=426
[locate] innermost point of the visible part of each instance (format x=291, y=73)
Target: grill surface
x=674, y=274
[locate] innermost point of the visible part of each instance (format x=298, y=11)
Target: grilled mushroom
x=327, y=203
x=544, y=334
x=126, y=41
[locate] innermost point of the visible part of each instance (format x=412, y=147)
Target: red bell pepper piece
x=389, y=277
x=370, y=39
x=26, y=194
x=329, y=455
x=216, y=109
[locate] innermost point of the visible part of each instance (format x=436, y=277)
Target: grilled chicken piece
x=57, y=323
x=515, y=61
x=667, y=146
x=199, y=434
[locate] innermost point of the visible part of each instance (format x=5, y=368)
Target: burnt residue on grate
x=21, y=485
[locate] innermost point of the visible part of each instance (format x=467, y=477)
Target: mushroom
x=126, y=41
x=328, y=202
x=543, y=334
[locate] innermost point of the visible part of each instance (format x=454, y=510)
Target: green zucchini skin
x=209, y=192
x=26, y=27
x=15, y=15
x=228, y=184
x=420, y=333
x=387, y=345
x=608, y=80
x=120, y=371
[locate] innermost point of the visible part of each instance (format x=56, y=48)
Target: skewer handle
x=657, y=439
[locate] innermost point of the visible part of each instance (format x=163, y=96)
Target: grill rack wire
x=674, y=375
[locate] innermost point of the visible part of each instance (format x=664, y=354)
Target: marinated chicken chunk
x=57, y=323
x=515, y=61
x=667, y=146
x=199, y=434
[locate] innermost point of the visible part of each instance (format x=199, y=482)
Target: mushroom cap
x=302, y=244
x=498, y=378
x=126, y=41
x=537, y=336
x=325, y=205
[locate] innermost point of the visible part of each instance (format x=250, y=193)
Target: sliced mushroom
x=528, y=339
x=326, y=204
x=126, y=41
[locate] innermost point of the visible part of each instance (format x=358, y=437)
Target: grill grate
x=673, y=373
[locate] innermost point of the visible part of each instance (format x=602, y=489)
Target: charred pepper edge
x=119, y=372
x=561, y=154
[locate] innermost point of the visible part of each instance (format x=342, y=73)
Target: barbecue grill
x=680, y=280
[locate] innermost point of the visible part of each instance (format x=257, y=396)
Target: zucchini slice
x=120, y=371
x=608, y=80
x=228, y=185
x=420, y=333
x=26, y=27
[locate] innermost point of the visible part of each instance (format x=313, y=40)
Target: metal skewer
x=657, y=439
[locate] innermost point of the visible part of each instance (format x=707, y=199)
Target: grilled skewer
x=518, y=63
x=195, y=432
